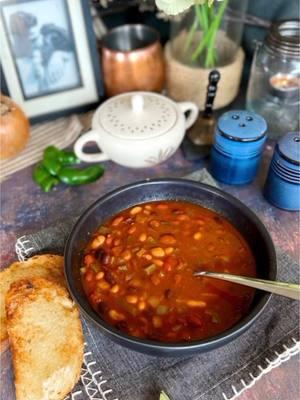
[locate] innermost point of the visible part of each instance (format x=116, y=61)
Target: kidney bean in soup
x=137, y=272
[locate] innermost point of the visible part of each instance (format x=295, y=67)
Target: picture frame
x=49, y=62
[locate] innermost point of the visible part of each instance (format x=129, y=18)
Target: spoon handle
x=290, y=290
x=213, y=80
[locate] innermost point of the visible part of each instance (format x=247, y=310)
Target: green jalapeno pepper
x=43, y=178
x=54, y=169
x=72, y=176
x=51, y=160
x=40, y=173
x=68, y=158
x=48, y=183
x=54, y=159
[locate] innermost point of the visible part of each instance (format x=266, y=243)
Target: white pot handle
x=91, y=136
x=192, y=107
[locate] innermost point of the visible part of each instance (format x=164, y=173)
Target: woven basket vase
x=185, y=83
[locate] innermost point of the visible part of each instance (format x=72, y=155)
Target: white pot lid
x=137, y=115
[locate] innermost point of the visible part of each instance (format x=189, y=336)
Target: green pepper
x=40, y=173
x=53, y=168
x=68, y=158
x=43, y=178
x=51, y=160
x=54, y=159
x=48, y=183
x=72, y=176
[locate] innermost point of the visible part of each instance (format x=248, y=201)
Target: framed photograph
x=49, y=59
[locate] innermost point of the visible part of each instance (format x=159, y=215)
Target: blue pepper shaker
x=238, y=145
x=282, y=187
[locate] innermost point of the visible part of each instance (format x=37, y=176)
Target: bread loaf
x=45, y=337
x=47, y=266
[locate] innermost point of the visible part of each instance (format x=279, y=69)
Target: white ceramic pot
x=137, y=129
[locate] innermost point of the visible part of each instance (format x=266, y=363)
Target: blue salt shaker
x=282, y=187
x=238, y=145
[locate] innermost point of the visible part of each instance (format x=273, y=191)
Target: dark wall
x=127, y=11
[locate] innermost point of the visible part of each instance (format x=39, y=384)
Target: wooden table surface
x=25, y=209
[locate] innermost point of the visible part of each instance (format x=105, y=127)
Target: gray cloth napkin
x=112, y=372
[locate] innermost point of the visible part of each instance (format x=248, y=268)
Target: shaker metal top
x=242, y=126
x=138, y=115
x=289, y=147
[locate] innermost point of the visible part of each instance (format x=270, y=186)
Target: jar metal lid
x=283, y=38
x=242, y=126
x=138, y=115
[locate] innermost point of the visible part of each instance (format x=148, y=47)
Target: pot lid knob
x=137, y=103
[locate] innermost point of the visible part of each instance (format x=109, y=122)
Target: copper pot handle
x=193, y=109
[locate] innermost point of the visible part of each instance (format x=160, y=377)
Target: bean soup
x=137, y=272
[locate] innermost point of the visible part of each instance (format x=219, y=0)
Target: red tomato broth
x=137, y=272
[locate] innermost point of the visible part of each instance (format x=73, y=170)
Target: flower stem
x=212, y=23
x=191, y=35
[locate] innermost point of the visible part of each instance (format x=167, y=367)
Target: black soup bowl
x=170, y=189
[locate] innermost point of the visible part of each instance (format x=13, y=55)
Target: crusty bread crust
x=46, y=339
x=47, y=266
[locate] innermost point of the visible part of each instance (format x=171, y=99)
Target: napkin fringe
x=23, y=248
x=280, y=358
x=93, y=382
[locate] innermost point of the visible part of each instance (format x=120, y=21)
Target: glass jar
x=274, y=84
x=189, y=30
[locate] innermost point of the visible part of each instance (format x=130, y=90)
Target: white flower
x=174, y=7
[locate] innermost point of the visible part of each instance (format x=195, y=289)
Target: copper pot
x=132, y=59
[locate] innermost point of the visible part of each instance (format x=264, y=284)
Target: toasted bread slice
x=45, y=335
x=47, y=266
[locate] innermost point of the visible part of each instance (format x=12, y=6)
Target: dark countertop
x=25, y=209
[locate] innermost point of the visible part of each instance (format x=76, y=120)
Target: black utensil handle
x=213, y=80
